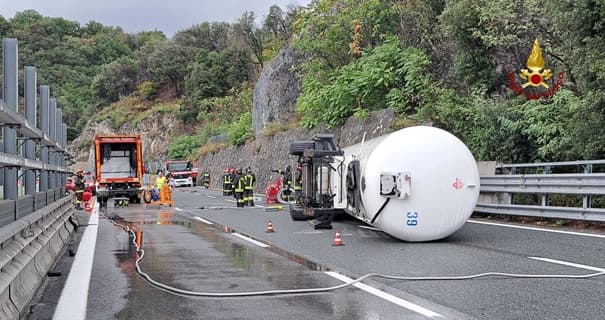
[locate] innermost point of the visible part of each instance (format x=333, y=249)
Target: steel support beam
x=30, y=114
x=10, y=94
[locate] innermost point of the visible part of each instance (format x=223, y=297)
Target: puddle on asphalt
x=240, y=255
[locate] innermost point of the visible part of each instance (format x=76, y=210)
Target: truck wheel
x=297, y=147
x=147, y=196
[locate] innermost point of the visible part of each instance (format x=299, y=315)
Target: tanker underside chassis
x=316, y=159
x=321, y=217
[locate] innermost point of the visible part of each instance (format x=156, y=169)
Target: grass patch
x=274, y=128
x=209, y=148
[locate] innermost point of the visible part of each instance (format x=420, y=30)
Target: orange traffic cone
x=269, y=227
x=337, y=240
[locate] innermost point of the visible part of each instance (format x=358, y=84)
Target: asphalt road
x=204, y=244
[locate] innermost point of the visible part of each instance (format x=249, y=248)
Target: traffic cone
x=269, y=227
x=337, y=240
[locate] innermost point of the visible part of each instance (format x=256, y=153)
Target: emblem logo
x=535, y=76
x=458, y=184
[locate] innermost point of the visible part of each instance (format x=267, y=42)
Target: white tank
x=423, y=183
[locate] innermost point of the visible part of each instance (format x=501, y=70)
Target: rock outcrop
x=157, y=131
x=276, y=90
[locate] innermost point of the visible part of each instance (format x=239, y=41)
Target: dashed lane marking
x=178, y=209
x=369, y=228
x=258, y=243
x=538, y=229
x=203, y=220
x=213, y=197
x=386, y=296
x=569, y=264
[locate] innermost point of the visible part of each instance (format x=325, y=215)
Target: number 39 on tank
x=412, y=219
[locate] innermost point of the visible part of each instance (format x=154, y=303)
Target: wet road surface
x=205, y=244
x=192, y=255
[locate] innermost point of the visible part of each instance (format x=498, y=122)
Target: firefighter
x=287, y=183
x=160, y=180
x=234, y=176
x=250, y=179
x=206, y=179
x=79, y=186
x=297, y=184
x=239, y=183
x=227, y=181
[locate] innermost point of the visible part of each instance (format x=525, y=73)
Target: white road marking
x=539, y=229
x=386, y=296
x=74, y=297
x=197, y=194
x=178, y=209
x=370, y=228
x=570, y=264
x=203, y=220
x=258, y=243
x=230, y=200
x=213, y=197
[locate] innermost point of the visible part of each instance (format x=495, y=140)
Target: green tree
x=116, y=80
x=184, y=146
x=168, y=62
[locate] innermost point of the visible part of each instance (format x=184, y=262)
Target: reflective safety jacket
x=240, y=183
x=250, y=179
x=160, y=182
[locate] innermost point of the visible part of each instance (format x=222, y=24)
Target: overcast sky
x=133, y=16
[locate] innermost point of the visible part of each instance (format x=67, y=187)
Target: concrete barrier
x=29, y=247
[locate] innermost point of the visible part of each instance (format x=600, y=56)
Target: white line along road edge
x=74, y=297
x=386, y=296
x=569, y=264
x=538, y=229
x=243, y=237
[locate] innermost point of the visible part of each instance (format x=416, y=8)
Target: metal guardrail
x=32, y=149
x=34, y=227
x=498, y=191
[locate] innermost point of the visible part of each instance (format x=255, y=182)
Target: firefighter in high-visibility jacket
x=249, y=187
x=79, y=185
x=240, y=183
x=227, y=188
x=206, y=179
x=297, y=184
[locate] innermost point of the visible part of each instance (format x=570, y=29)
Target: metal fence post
x=10, y=96
x=547, y=170
x=58, y=155
x=44, y=107
x=52, y=133
x=586, y=199
x=30, y=114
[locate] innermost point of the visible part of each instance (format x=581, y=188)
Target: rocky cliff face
x=276, y=90
x=265, y=154
x=157, y=131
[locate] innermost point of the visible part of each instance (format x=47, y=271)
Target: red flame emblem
x=458, y=184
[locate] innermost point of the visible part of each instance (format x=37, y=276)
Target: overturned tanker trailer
x=416, y=184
